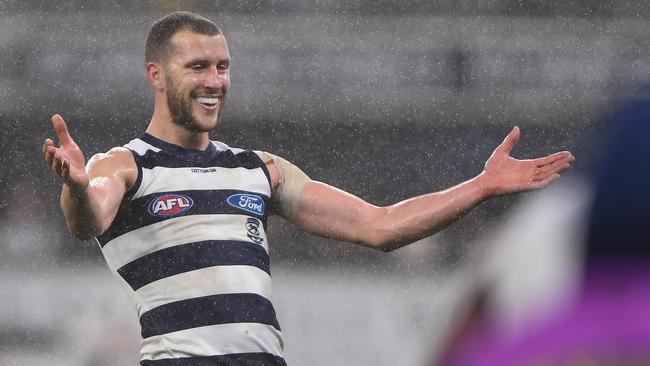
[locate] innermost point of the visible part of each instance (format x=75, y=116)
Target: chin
x=207, y=126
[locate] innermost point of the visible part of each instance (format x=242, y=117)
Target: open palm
x=67, y=161
x=506, y=174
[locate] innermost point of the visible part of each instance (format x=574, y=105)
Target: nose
x=214, y=79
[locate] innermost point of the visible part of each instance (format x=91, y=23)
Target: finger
x=510, y=141
x=61, y=129
x=49, y=154
x=562, y=155
x=555, y=167
x=544, y=182
x=65, y=170
x=57, y=163
x=46, y=143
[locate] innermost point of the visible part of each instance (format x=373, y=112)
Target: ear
x=156, y=75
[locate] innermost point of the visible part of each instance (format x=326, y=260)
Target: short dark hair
x=157, y=47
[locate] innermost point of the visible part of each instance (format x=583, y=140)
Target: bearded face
x=181, y=109
x=197, y=77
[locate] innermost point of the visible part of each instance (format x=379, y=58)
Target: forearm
x=416, y=218
x=81, y=210
x=332, y=213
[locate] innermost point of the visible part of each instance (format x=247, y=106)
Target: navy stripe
x=188, y=154
x=208, y=310
x=138, y=181
x=265, y=169
x=233, y=359
x=188, y=257
x=223, y=159
x=135, y=214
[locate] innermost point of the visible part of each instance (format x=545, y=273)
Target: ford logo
x=170, y=204
x=247, y=202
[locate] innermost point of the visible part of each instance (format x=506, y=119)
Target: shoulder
x=124, y=155
x=117, y=156
x=283, y=172
x=246, y=156
x=287, y=183
x=118, y=162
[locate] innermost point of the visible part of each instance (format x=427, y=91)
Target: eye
x=223, y=66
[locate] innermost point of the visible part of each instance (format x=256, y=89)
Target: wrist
x=486, y=186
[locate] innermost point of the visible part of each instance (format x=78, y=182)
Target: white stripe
x=223, y=147
x=214, y=340
x=163, y=179
x=204, y=282
x=220, y=146
x=179, y=230
x=141, y=147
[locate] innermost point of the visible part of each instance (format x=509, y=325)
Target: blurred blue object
x=619, y=225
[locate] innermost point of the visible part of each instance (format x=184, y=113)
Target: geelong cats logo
x=253, y=230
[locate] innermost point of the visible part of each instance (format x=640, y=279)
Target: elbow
x=82, y=229
x=377, y=240
x=386, y=248
x=83, y=236
x=375, y=233
x=80, y=232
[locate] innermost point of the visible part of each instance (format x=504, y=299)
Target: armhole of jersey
x=265, y=170
x=136, y=185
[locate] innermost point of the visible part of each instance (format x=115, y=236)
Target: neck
x=163, y=127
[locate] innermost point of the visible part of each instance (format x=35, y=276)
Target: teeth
x=208, y=100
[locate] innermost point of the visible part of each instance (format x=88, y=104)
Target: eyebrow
x=196, y=61
x=205, y=61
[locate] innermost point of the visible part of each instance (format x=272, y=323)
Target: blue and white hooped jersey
x=189, y=245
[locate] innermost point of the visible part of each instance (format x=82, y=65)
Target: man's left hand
x=504, y=174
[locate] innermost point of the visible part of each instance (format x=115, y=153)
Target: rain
x=384, y=99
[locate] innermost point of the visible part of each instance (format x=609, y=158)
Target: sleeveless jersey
x=189, y=246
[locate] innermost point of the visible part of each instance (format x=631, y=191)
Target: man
x=181, y=219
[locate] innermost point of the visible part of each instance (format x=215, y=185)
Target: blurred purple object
x=608, y=322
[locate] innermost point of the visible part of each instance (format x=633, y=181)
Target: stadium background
x=385, y=99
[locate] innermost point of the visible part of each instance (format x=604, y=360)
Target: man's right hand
x=91, y=193
x=66, y=161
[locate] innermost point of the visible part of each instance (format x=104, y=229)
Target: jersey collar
x=192, y=154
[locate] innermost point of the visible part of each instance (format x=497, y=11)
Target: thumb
x=510, y=141
x=61, y=129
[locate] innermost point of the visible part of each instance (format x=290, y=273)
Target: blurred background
x=385, y=99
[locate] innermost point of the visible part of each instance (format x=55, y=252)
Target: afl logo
x=170, y=204
x=247, y=202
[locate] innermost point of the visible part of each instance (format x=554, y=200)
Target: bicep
x=108, y=192
x=110, y=177
x=329, y=212
x=319, y=208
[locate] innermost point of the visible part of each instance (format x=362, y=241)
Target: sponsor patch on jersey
x=170, y=205
x=253, y=230
x=247, y=202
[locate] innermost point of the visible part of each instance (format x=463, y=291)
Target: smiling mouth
x=208, y=102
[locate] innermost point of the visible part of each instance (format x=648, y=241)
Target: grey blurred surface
x=436, y=69
x=351, y=317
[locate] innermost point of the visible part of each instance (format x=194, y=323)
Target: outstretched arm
x=327, y=211
x=91, y=194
